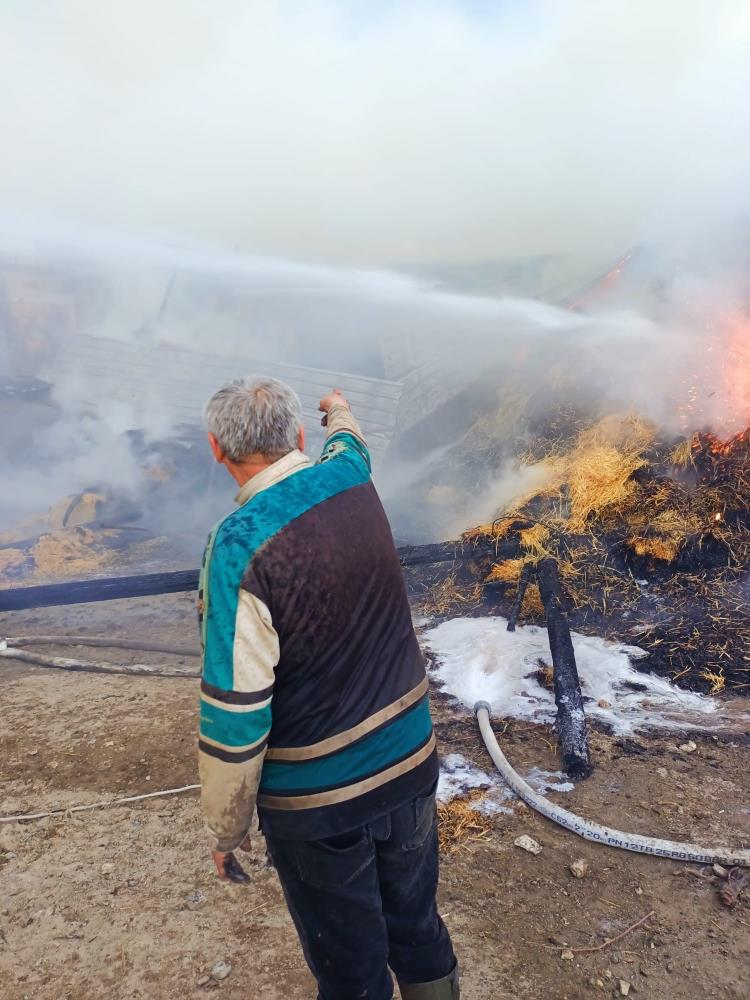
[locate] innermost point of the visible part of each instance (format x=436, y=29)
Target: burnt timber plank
x=108, y=589
x=151, y=584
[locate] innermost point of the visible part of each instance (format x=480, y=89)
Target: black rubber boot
x=439, y=989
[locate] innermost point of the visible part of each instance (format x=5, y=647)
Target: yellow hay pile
x=665, y=532
x=599, y=480
x=58, y=555
x=495, y=530
x=596, y=474
x=459, y=822
x=535, y=539
x=624, y=431
x=507, y=571
x=69, y=553
x=655, y=548
x=593, y=487
x=682, y=455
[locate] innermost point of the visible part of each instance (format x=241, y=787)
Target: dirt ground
x=122, y=902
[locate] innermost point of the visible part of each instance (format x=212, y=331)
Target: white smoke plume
x=405, y=151
x=373, y=133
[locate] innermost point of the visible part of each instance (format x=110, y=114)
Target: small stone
x=688, y=747
x=220, y=970
x=202, y=980
x=567, y=955
x=670, y=966
x=599, y=983
x=624, y=987
x=107, y=868
x=603, y=703
x=719, y=870
x=527, y=843
x=639, y=891
x=109, y=743
x=662, y=772
x=579, y=868
x=644, y=971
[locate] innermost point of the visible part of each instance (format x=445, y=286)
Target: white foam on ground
x=477, y=659
x=459, y=776
x=548, y=781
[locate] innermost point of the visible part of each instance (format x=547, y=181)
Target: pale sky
x=375, y=133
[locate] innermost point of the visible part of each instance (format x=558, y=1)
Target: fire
x=715, y=445
x=736, y=365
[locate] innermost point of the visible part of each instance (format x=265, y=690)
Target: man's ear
x=301, y=439
x=218, y=451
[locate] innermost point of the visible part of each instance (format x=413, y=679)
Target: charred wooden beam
x=108, y=589
x=571, y=718
x=424, y=555
x=153, y=584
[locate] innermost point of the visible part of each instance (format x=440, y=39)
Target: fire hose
x=86, y=666
x=594, y=831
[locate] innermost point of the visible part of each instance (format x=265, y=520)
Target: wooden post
x=571, y=718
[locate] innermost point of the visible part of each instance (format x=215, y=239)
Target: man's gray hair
x=255, y=416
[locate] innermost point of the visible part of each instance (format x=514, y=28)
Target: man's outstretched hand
x=228, y=867
x=335, y=398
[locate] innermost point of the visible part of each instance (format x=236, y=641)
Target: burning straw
x=652, y=539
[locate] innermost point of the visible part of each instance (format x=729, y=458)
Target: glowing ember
x=732, y=447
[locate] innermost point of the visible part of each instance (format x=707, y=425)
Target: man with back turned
x=314, y=702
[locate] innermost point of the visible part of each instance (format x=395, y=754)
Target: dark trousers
x=365, y=900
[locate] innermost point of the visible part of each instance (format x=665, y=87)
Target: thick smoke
x=458, y=175
x=380, y=132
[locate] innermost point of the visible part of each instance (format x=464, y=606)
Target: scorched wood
x=571, y=718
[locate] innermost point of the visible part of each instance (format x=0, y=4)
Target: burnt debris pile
x=651, y=536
